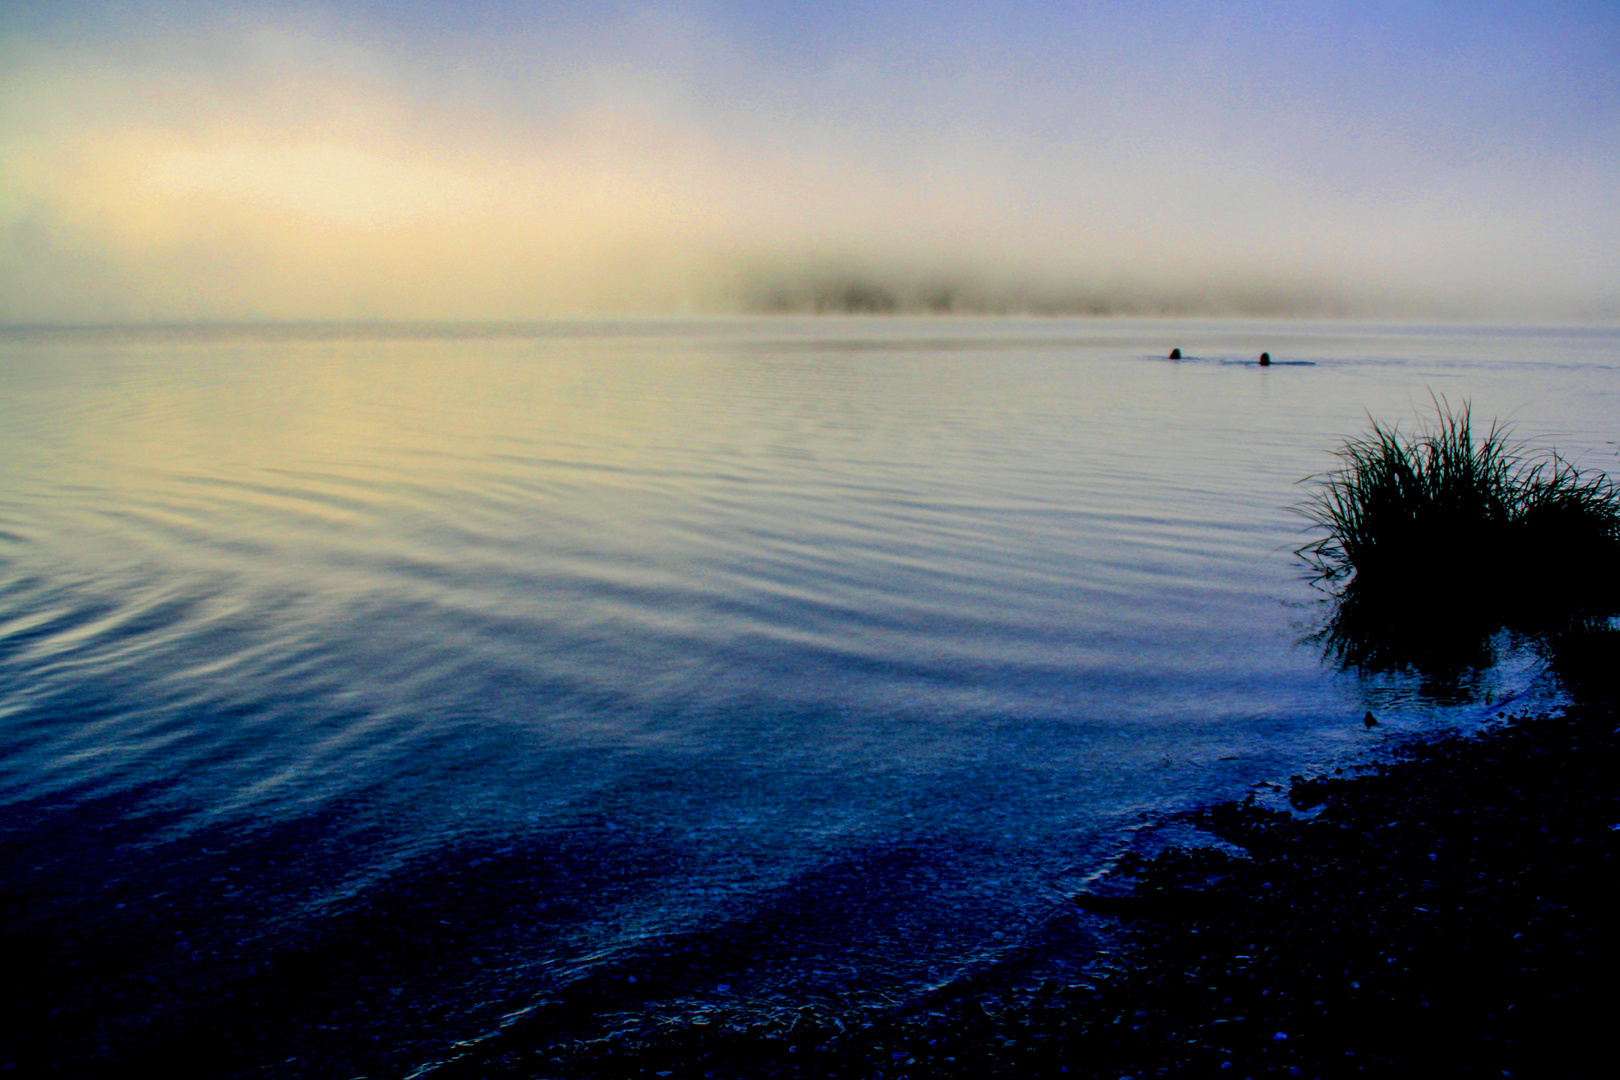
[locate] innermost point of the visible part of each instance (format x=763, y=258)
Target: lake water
x=362, y=688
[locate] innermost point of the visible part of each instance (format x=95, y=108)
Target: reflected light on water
x=680, y=626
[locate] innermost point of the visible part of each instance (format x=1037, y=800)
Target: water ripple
x=679, y=626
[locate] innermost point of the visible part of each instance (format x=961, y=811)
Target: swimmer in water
x=1265, y=359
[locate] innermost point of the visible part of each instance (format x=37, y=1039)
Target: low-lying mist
x=281, y=175
x=832, y=288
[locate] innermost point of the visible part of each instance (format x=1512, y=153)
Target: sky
x=173, y=161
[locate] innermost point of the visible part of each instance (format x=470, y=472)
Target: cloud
x=283, y=169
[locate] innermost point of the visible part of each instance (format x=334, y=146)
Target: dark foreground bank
x=1448, y=912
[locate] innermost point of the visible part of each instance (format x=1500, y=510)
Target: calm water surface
x=360, y=687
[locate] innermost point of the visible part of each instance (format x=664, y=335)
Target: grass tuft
x=1475, y=530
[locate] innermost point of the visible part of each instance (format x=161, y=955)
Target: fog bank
x=270, y=169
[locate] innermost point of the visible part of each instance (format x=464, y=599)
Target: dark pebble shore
x=1444, y=912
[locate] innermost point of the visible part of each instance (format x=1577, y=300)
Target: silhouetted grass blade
x=1437, y=540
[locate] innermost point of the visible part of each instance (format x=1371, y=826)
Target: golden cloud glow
x=308, y=184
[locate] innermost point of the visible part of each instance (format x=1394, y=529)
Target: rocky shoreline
x=1444, y=912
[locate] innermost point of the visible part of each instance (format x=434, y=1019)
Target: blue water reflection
x=590, y=638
